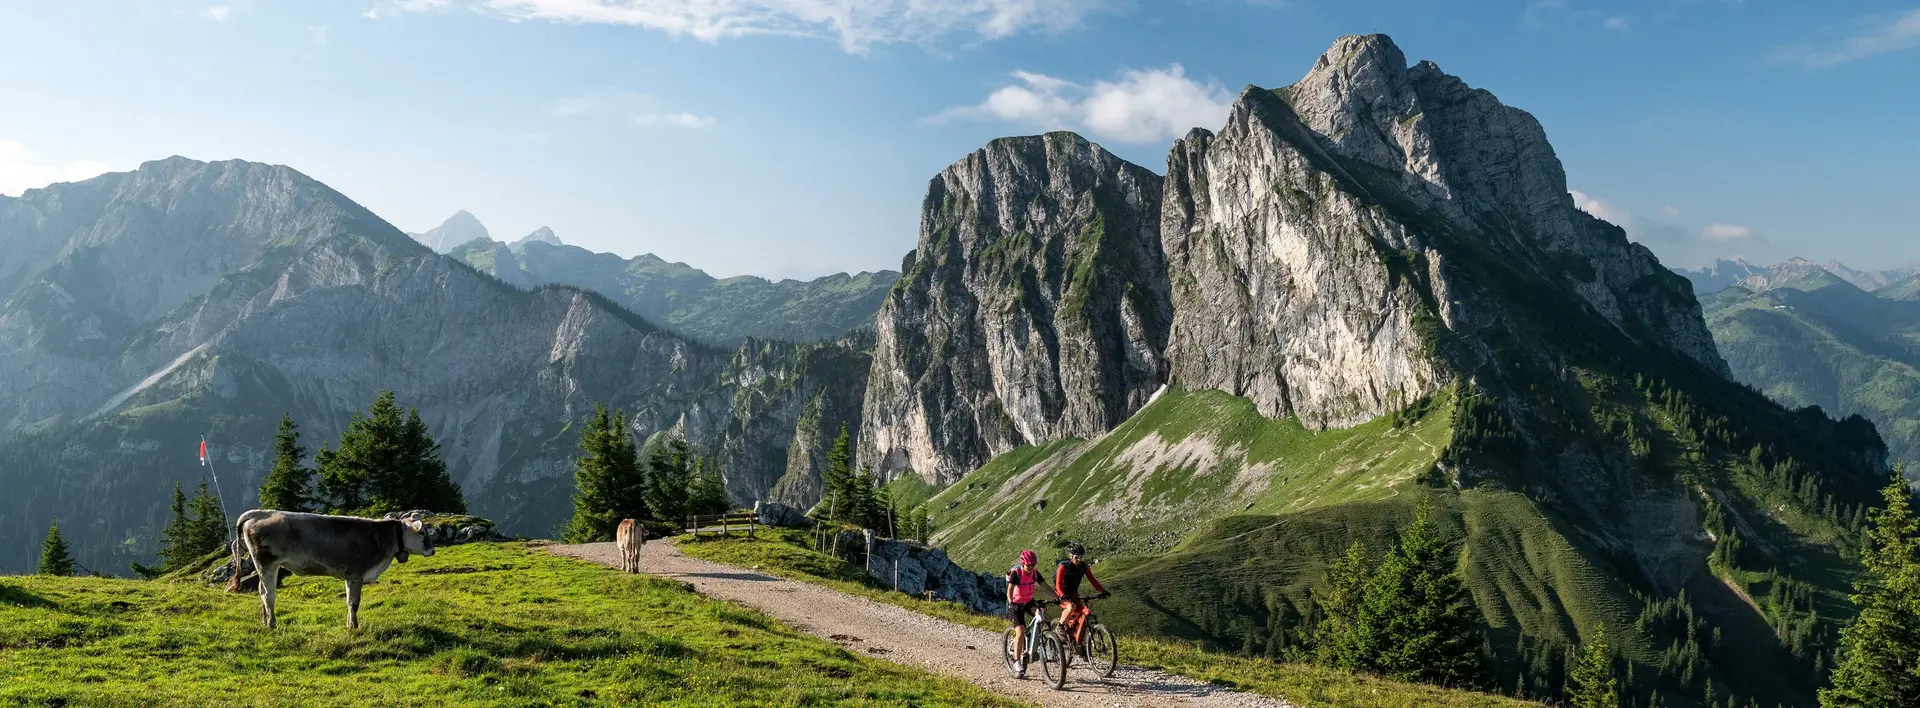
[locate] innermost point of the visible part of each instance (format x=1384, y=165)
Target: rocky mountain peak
x=1033, y=308
x=457, y=230
x=540, y=235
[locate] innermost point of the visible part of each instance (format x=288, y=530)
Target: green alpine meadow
x=930, y=353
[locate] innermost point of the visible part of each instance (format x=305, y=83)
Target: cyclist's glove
x=1104, y=595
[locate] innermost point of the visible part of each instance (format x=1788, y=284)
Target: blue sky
x=796, y=137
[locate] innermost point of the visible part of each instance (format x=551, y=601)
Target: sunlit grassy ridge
x=480, y=624
x=1187, y=458
x=785, y=553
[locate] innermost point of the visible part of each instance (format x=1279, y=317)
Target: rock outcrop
x=1035, y=307
x=457, y=230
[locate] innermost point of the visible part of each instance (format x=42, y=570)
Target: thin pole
x=207, y=459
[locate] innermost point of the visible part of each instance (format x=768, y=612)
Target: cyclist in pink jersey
x=1021, y=603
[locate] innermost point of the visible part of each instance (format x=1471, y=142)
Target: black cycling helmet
x=1075, y=549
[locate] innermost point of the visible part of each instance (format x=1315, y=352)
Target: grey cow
x=350, y=548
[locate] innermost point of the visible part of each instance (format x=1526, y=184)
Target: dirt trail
x=913, y=639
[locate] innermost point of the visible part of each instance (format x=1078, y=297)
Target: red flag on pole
x=203, y=452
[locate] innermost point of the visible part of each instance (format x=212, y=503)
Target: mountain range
x=1808, y=335
x=1367, y=292
x=144, y=309
x=722, y=311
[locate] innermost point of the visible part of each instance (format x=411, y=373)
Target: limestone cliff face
x=1035, y=307
x=1313, y=244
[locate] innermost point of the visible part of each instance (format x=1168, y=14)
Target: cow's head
x=413, y=539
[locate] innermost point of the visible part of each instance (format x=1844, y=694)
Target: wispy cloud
x=1877, y=35
x=1726, y=232
x=856, y=24
x=319, y=35
x=641, y=109
x=217, y=13
x=675, y=120
x=1141, y=106
x=20, y=170
x=1617, y=24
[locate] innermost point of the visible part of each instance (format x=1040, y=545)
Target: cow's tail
x=239, y=545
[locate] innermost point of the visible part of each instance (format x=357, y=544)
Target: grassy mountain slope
x=1907, y=288
x=1186, y=457
x=683, y=298
x=1835, y=347
x=479, y=624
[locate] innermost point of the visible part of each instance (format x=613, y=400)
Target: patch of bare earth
x=909, y=638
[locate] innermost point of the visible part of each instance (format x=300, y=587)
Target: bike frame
x=1035, y=626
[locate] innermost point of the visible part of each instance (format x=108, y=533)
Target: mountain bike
x=1096, y=643
x=1043, y=645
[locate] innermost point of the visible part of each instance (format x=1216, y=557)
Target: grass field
x=785, y=554
x=478, y=624
x=1184, y=460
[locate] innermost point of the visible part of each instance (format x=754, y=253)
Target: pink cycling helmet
x=1028, y=557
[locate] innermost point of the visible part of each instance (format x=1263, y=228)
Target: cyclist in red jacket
x=1066, y=582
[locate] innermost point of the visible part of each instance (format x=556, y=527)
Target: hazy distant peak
x=458, y=229
x=540, y=235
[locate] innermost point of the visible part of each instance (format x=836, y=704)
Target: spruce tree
x=607, y=479
x=1591, y=683
x=1338, y=639
x=206, y=524
x=668, y=480
x=1419, y=611
x=176, y=543
x=1879, y=664
x=55, y=557
x=709, y=493
x=387, y=462
x=288, y=486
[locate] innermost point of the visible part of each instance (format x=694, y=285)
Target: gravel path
x=913, y=639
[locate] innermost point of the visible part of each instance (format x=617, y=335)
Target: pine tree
x=709, y=493
x=288, y=486
x=206, y=524
x=1337, y=639
x=1591, y=682
x=55, y=557
x=176, y=543
x=668, y=480
x=609, y=485
x=387, y=462
x=1411, y=618
x=1879, y=664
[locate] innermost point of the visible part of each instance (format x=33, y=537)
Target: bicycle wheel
x=1053, y=661
x=1009, y=653
x=1103, y=653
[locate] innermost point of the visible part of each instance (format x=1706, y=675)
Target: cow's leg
x=269, y=588
x=353, y=604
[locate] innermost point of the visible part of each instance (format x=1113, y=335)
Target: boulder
x=781, y=515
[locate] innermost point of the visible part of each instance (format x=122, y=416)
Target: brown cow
x=346, y=547
x=629, y=539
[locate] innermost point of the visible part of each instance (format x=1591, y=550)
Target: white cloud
x=1664, y=228
x=217, y=13
x=20, y=171
x=1142, y=106
x=1617, y=24
x=677, y=120
x=1880, y=34
x=1601, y=208
x=1726, y=232
x=856, y=24
x=319, y=34
x=389, y=8
x=577, y=105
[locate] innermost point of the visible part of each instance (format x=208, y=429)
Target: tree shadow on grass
x=21, y=598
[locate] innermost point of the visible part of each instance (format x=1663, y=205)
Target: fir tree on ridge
x=386, y=462
x=609, y=484
x=55, y=557
x=1879, y=664
x=288, y=486
x=1590, y=681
